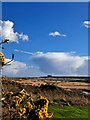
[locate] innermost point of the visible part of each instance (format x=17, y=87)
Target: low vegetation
x=20, y=105
x=69, y=111
x=29, y=102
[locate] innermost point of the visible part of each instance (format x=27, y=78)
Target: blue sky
x=45, y=0
x=40, y=21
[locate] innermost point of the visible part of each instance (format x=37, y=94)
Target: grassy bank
x=69, y=111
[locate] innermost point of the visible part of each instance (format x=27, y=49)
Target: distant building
x=49, y=75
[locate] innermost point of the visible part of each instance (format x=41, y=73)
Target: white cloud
x=22, y=36
x=56, y=34
x=56, y=63
x=86, y=24
x=23, y=51
x=84, y=68
x=14, y=68
x=7, y=32
x=61, y=63
x=20, y=69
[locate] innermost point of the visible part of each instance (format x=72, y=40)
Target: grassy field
x=69, y=111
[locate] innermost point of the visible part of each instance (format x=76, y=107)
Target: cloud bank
x=13, y=68
x=56, y=63
x=20, y=69
x=56, y=34
x=7, y=32
x=61, y=63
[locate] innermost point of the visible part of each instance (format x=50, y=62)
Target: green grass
x=69, y=111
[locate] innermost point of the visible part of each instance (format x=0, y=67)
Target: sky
x=46, y=38
x=45, y=0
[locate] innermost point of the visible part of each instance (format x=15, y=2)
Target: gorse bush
x=25, y=107
x=2, y=58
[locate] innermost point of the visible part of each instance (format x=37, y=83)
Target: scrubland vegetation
x=38, y=102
